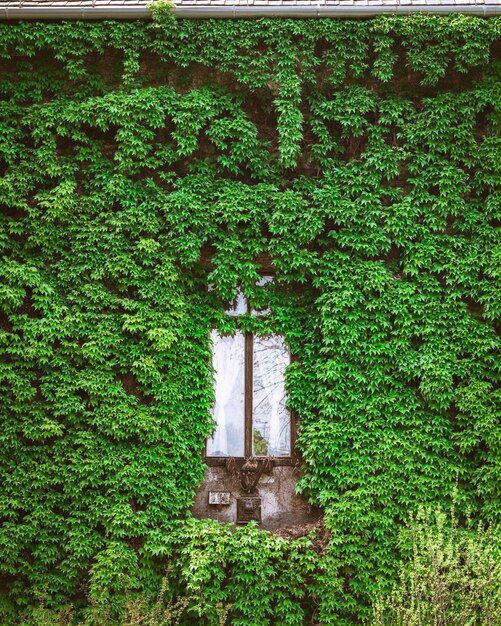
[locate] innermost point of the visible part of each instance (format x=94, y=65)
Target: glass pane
x=271, y=424
x=261, y=283
x=229, y=386
x=240, y=306
x=264, y=280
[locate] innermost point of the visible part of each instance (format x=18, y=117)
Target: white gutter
x=239, y=11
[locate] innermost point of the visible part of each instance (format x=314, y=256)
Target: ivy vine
x=142, y=161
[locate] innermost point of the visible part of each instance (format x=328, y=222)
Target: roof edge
x=239, y=11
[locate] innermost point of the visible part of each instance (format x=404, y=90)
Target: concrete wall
x=280, y=506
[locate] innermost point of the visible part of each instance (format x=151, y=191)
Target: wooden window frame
x=217, y=461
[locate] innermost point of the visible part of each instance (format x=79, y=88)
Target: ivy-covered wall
x=141, y=162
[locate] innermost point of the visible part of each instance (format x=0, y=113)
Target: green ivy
x=141, y=162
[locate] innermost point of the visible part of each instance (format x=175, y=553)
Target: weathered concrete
x=280, y=505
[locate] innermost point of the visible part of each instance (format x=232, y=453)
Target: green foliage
x=452, y=576
x=215, y=576
x=140, y=162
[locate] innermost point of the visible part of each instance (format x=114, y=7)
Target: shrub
x=451, y=576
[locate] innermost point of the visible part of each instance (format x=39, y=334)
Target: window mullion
x=249, y=346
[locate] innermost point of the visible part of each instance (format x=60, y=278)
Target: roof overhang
x=76, y=11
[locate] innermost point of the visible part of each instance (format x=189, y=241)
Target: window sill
x=222, y=461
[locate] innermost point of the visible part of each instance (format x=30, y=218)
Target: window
x=250, y=413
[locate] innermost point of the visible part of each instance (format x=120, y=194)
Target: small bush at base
x=452, y=576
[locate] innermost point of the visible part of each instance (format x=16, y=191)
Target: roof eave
x=238, y=11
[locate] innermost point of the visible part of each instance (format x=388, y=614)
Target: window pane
x=264, y=280
x=270, y=420
x=229, y=385
x=261, y=283
x=240, y=305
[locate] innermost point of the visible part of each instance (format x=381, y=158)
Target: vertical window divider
x=249, y=365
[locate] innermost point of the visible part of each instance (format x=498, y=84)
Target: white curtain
x=229, y=387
